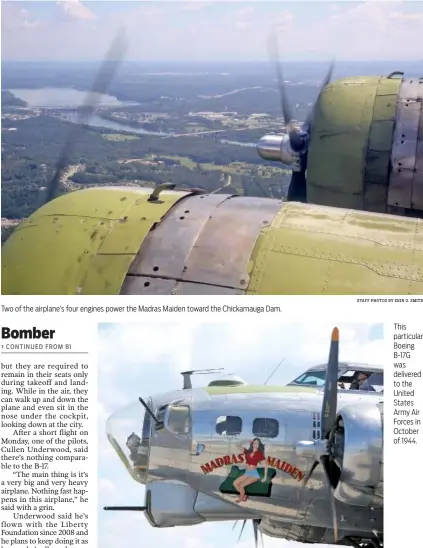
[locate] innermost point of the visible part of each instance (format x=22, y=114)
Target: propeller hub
x=311, y=449
x=277, y=148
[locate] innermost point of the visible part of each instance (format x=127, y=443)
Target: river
x=65, y=98
x=98, y=121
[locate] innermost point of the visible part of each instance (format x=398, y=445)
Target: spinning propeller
x=101, y=84
x=292, y=148
x=323, y=449
x=256, y=523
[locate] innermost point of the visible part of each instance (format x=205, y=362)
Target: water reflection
x=62, y=98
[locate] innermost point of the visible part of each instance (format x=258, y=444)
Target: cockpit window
x=129, y=432
x=363, y=380
x=374, y=383
x=160, y=416
x=311, y=378
x=179, y=419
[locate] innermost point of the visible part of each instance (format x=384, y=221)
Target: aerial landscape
x=193, y=123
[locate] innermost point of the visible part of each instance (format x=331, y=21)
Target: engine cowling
x=359, y=455
x=171, y=504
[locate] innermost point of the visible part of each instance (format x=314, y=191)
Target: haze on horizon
x=173, y=30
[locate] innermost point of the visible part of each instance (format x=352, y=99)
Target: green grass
x=234, y=168
x=183, y=160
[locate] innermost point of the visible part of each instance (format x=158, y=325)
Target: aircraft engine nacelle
x=359, y=451
x=171, y=504
x=368, y=128
x=366, y=145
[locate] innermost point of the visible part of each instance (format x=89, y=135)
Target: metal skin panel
x=377, y=162
x=90, y=238
x=212, y=509
x=362, y=463
x=348, y=252
x=134, y=285
x=295, y=532
x=417, y=194
x=404, y=176
x=82, y=242
x=167, y=247
x=340, y=138
x=170, y=504
x=175, y=473
x=205, y=240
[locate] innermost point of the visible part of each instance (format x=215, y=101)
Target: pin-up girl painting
x=254, y=456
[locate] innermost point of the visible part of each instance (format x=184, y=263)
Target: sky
x=146, y=359
x=212, y=30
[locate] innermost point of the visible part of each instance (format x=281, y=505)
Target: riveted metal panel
x=142, y=285
x=417, y=193
x=376, y=197
x=326, y=250
x=389, y=86
x=381, y=135
x=377, y=171
x=223, y=249
x=404, y=150
x=384, y=107
x=165, y=250
x=379, y=145
x=417, y=196
x=206, y=240
x=340, y=133
x=88, y=237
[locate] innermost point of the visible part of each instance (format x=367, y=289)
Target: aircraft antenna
x=187, y=375
x=101, y=84
x=274, y=371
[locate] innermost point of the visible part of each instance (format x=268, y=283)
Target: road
x=227, y=130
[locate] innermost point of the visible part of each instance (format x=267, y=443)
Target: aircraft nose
x=129, y=432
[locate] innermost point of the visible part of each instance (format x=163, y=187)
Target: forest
x=34, y=139
x=31, y=152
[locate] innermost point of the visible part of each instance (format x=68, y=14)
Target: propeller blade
x=101, y=84
x=234, y=525
x=310, y=117
x=308, y=476
x=126, y=508
x=242, y=530
x=330, y=396
x=295, y=139
x=324, y=459
x=256, y=523
x=297, y=190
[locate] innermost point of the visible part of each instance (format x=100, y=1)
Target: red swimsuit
x=252, y=459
